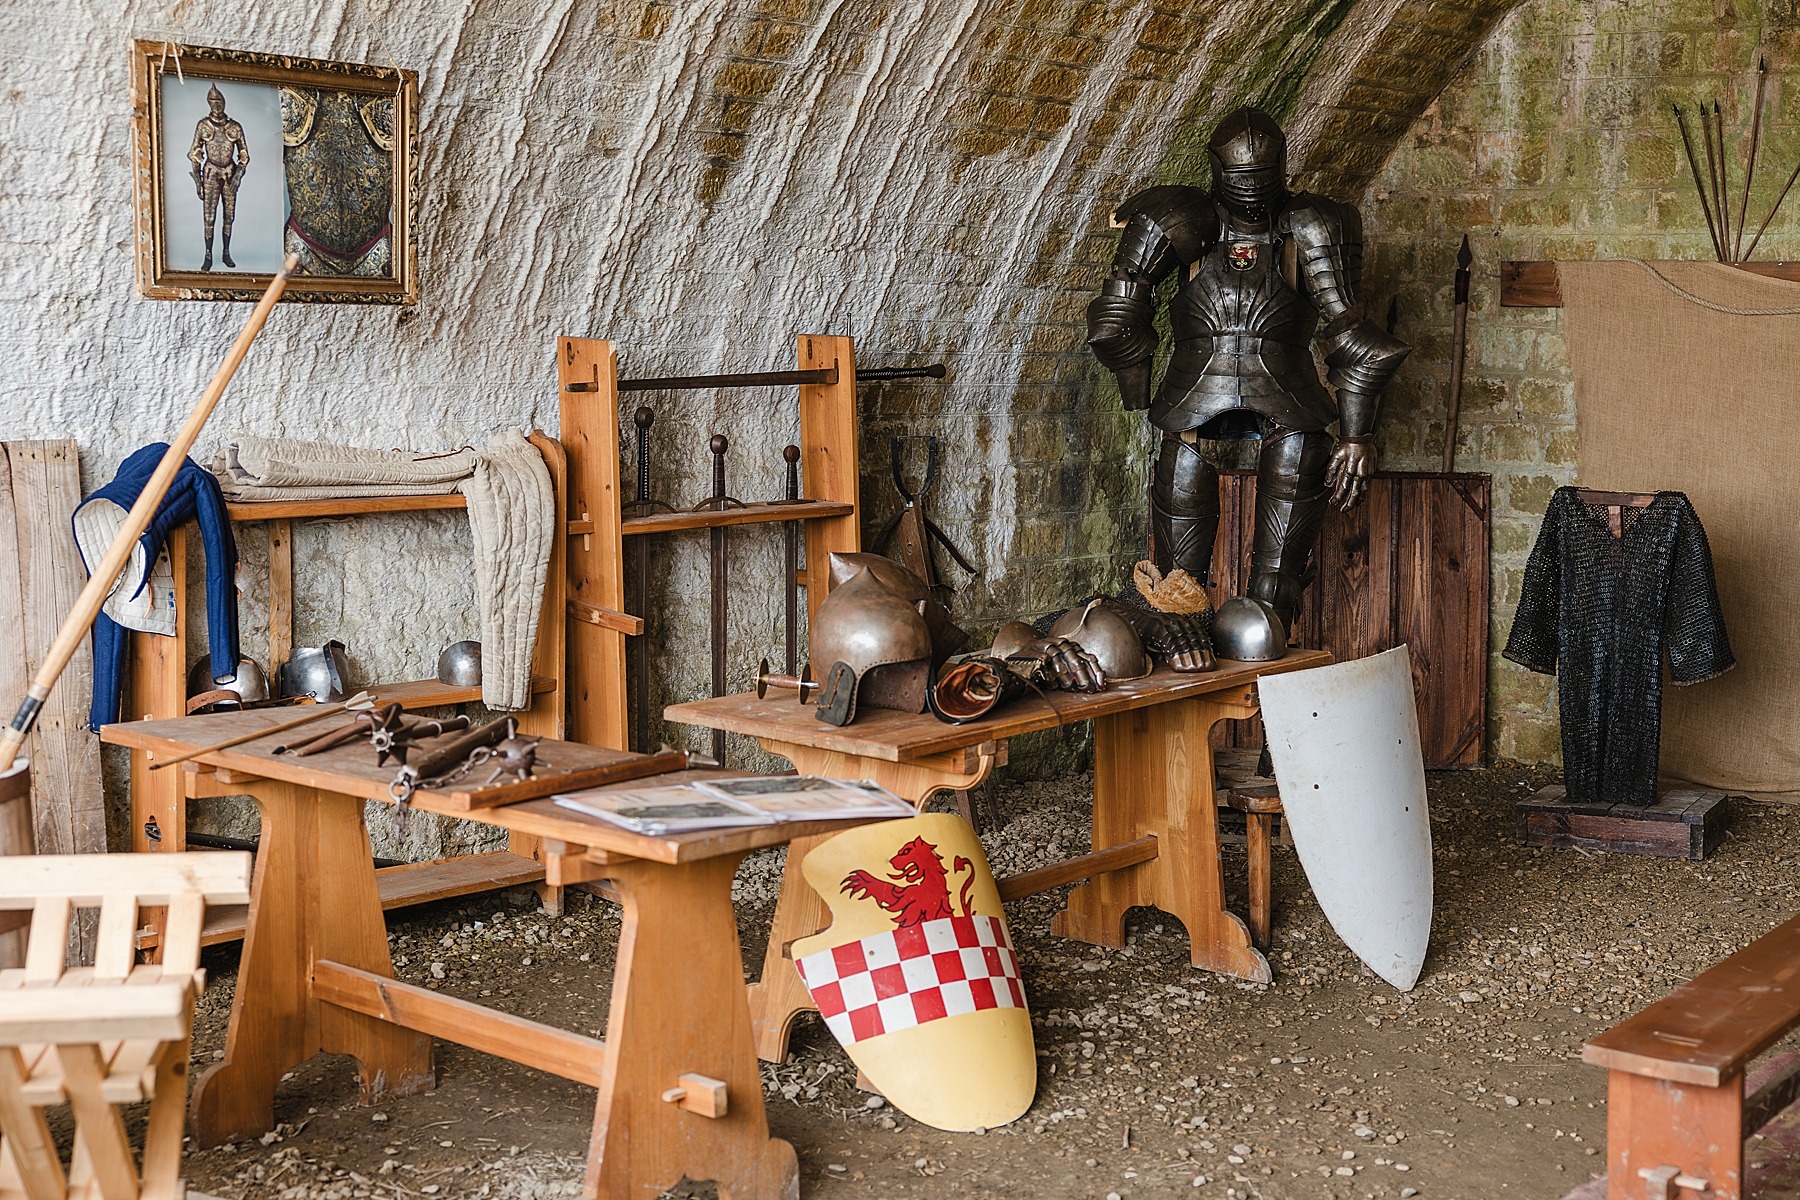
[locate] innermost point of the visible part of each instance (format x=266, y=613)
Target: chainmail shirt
x=1600, y=612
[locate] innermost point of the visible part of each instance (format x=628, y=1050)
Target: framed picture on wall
x=241, y=159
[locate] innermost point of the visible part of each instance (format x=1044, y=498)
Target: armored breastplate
x=219, y=138
x=1242, y=339
x=340, y=179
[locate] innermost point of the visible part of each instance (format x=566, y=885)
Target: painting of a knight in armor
x=246, y=159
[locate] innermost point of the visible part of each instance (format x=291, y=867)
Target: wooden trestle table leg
x=679, y=1008
x=778, y=996
x=313, y=897
x=1153, y=774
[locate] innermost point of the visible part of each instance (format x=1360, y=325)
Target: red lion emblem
x=922, y=890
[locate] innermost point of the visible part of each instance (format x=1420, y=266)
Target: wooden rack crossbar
x=748, y=514
x=686, y=383
x=569, y=1055
x=1534, y=283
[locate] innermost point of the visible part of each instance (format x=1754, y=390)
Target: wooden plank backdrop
x=1408, y=565
x=40, y=576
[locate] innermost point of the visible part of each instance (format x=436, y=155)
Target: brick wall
x=1558, y=142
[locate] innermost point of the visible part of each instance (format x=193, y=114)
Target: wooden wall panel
x=1408, y=565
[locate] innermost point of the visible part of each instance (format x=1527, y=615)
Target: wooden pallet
x=1681, y=824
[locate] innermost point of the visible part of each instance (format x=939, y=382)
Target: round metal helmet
x=213, y=93
x=1249, y=162
x=1107, y=636
x=316, y=671
x=1248, y=630
x=460, y=664
x=249, y=682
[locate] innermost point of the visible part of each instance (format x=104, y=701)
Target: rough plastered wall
x=1559, y=142
x=700, y=181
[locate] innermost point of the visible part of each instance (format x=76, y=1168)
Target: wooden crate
x=1407, y=565
x=1681, y=824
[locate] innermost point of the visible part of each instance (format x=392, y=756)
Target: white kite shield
x=1345, y=743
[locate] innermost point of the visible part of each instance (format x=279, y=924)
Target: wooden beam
x=1534, y=283
x=569, y=1055
x=1082, y=866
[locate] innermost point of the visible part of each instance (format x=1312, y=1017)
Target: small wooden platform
x=1681, y=824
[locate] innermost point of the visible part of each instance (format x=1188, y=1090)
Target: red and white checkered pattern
x=908, y=976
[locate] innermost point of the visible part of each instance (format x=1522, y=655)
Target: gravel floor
x=1155, y=1079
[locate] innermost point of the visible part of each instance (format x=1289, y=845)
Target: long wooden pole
x=1756, y=120
x=100, y=581
x=1459, y=350
x=1688, y=144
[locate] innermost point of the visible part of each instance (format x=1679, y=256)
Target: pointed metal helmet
x=213, y=93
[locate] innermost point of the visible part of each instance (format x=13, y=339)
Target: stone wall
x=700, y=181
x=1558, y=142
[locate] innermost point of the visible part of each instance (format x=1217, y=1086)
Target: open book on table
x=753, y=800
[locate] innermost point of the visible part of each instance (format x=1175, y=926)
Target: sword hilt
x=643, y=419
x=718, y=445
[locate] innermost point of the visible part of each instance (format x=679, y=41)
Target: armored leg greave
x=1184, y=508
x=1290, y=501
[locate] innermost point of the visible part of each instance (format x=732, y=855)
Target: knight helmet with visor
x=1249, y=163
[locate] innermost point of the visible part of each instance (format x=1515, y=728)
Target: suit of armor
x=219, y=155
x=1260, y=274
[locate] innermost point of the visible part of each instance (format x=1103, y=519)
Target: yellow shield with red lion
x=917, y=976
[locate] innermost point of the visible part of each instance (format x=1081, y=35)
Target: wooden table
x=1155, y=826
x=315, y=976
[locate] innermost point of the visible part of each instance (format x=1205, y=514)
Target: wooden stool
x=1260, y=802
x=103, y=1036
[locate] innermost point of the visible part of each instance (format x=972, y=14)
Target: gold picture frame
x=256, y=156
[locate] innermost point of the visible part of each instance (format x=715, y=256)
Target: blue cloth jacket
x=194, y=495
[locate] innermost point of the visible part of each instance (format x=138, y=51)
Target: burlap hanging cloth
x=1685, y=379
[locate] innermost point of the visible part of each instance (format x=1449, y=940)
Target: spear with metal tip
x=1687, y=143
x=1459, y=349
x=100, y=582
x=1756, y=119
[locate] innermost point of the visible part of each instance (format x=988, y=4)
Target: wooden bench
x=107, y=1035
x=1681, y=1099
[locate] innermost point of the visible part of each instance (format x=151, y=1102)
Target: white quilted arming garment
x=512, y=516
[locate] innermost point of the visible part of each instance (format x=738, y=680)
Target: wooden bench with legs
x=1681, y=1095
x=108, y=1035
